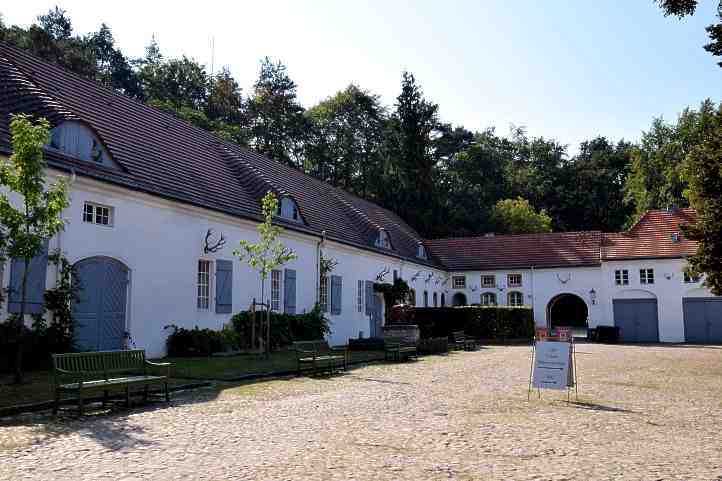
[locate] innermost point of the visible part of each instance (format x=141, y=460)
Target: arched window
x=436, y=300
x=383, y=240
x=488, y=299
x=421, y=251
x=288, y=209
x=412, y=297
x=515, y=298
x=443, y=300
x=426, y=298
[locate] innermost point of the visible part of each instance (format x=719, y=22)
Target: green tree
x=703, y=173
x=345, y=145
x=268, y=253
x=517, y=216
x=276, y=120
x=24, y=229
x=683, y=8
x=655, y=179
x=112, y=67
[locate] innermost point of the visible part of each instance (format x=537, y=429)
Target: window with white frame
x=275, y=290
x=97, y=214
x=204, y=284
x=458, y=282
x=488, y=281
x=323, y=294
x=513, y=280
x=621, y=277
x=360, y=296
x=646, y=276
x=488, y=299
x=690, y=279
x=515, y=298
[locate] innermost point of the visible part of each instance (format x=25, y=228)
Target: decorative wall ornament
x=437, y=280
x=415, y=276
x=564, y=279
x=474, y=288
x=384, y=272
x=209, y=247
x=428, y=278
x=446, y=279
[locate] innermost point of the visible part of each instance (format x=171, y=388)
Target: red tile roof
x=652, y=237
x=518, y=251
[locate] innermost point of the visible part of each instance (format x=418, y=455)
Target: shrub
x=38, y=344
x=195, y=342
x=434, y=345
x=285, y=328
x=366, y=344
x=480, y=322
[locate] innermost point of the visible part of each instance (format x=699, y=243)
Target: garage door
x=636, y=319
x=702, y=319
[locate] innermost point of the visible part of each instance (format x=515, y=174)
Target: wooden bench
x=396, y=348
x=319, y=356
x=462, y=341
x=84, y=373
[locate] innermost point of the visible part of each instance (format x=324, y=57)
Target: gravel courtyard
x=643, y=413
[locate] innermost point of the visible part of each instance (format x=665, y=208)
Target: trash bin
x=608, y=334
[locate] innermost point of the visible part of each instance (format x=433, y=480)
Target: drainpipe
x=532, y=293
x=60, y=233
x=319, y=244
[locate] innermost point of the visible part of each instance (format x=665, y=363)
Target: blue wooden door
x=702, y=319
x=99, y=312
x=636, y=319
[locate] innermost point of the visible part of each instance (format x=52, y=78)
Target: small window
x=646, y=276
x=690, y=279
x=488, y=299
x=513, y=280
x=675, y=237
x=288, y=209
x=436, y=300
x=97, y=214
x=412, y=297
x=515, y=298
x=396, y=275
x=443, y=300
x=360, y=296
x=275, y=290
x=421, y=252
x=488, y=281
x=204, y=284
x=459, y=282
x=426, y=298
x=383, y=240
x=621, y=277
x=323, y=294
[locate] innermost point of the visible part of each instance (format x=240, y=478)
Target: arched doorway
x=99, y=312
x=459, y=299
x=567, y=310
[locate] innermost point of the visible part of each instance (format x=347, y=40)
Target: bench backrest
x=393, y=341
x=458, y=335
x=319, y=345
x=100, y=363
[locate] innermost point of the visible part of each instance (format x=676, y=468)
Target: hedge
x=198, y=342
x=437, y=345
x=285, y=328
x=481, y=322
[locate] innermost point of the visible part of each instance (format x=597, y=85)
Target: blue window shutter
x=289, y=291
x=224, y=287
x=369, y=297
x=336, y=295
x=35, y=294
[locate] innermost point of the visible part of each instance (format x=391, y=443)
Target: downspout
x=319, y=244
x=60, y=233
x=532, y=294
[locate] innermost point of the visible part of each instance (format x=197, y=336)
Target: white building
x=152, y=195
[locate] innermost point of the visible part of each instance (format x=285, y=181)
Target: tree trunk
x=21, y=326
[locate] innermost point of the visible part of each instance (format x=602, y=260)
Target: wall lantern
x=593, y=296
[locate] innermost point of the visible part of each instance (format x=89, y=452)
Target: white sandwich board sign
x=552, y=366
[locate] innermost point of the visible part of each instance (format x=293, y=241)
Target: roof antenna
x=213, y=55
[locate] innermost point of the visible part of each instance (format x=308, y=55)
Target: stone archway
x=459, y=299
x=567, y=310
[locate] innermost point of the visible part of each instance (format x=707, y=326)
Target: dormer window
x=77, y=140
x=288, y=209
x=383, y=240
x=675, y=237
x=421, y=251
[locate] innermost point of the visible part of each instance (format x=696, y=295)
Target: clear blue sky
x=568, y=70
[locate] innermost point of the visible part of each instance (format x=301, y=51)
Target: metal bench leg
x=56, y=404
x=80, y=402
x=105, y=398
x=127, y=397
x=167, y=394
x=145, y=393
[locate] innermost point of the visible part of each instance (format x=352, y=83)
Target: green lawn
x=234, y=367
x=37, y=386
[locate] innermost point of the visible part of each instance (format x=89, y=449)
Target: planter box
x=407, y=332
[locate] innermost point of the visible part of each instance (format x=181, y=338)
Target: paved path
x=644, y=413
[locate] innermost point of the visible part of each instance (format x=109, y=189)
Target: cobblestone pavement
x=647, y=413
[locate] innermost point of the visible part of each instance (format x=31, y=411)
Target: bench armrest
x=339, y=348
x=166, y=365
